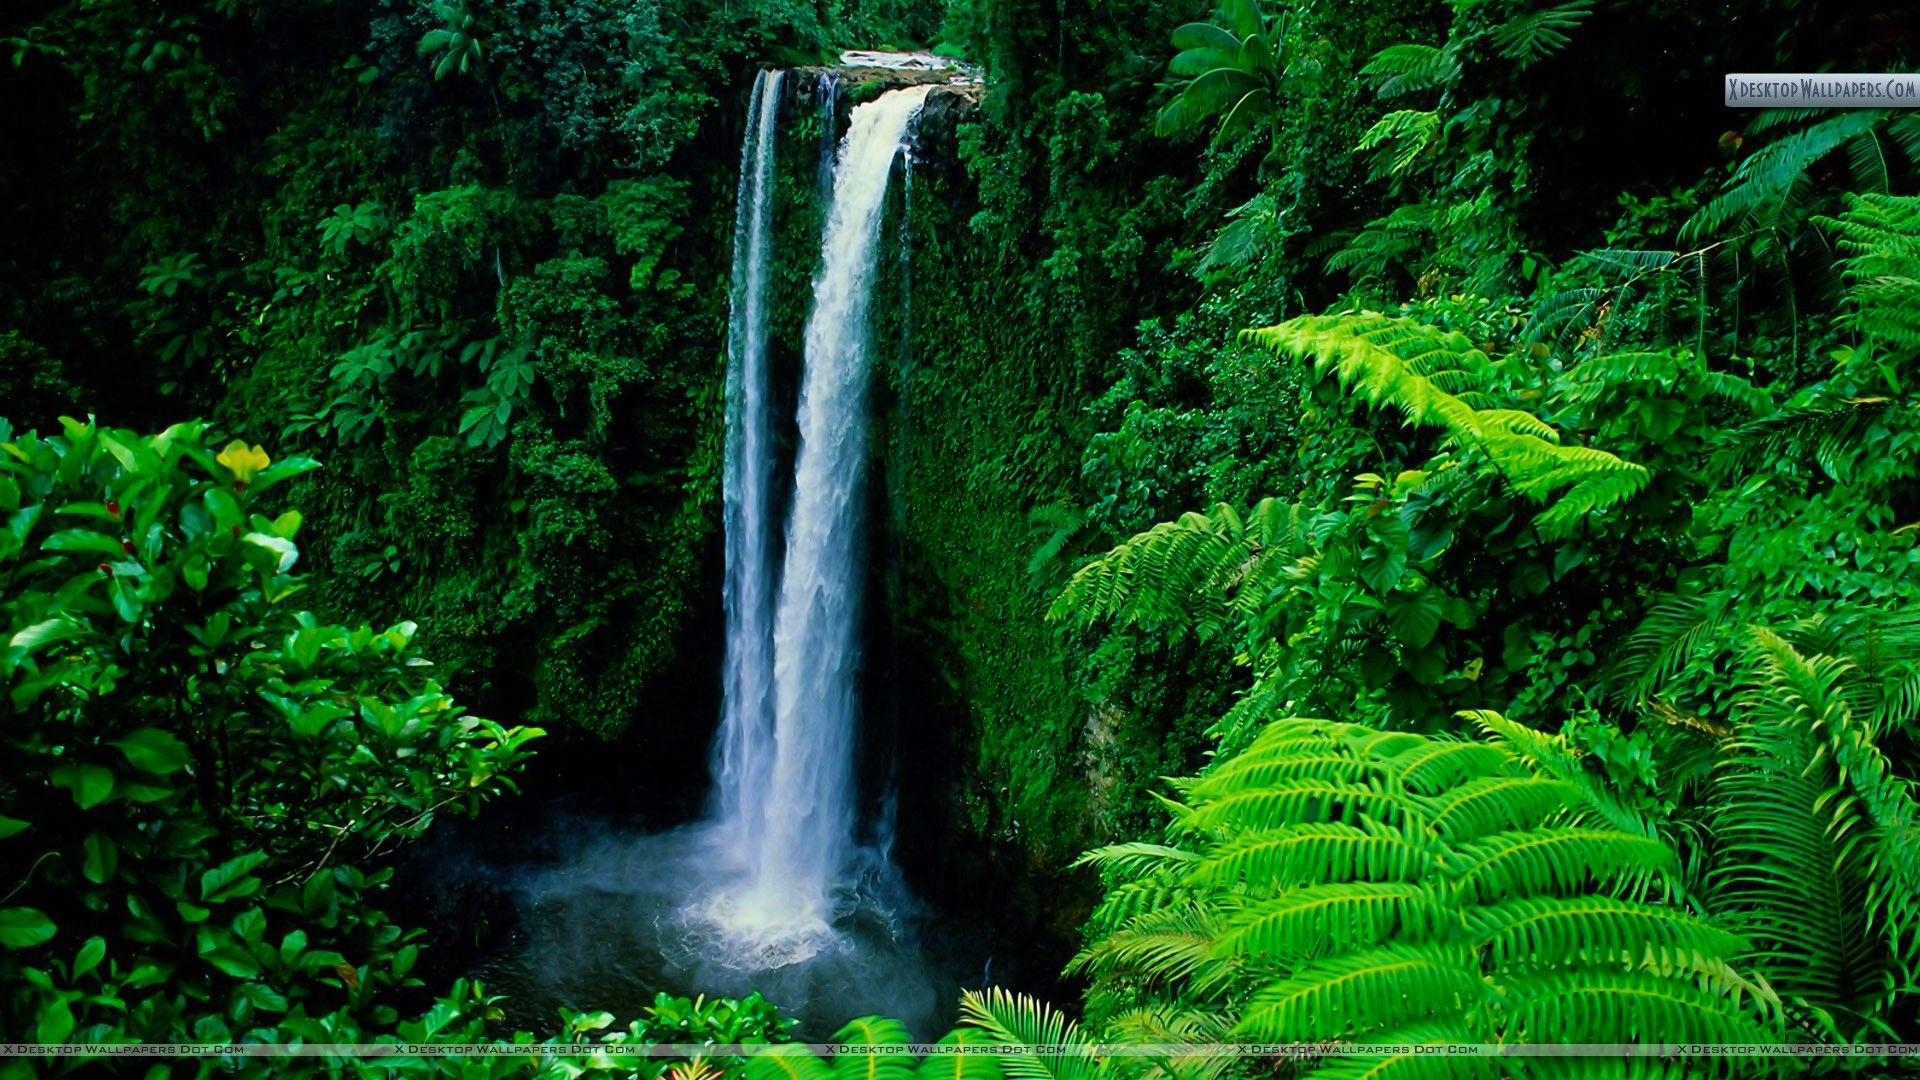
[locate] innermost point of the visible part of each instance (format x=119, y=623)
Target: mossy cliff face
x=1000, y=751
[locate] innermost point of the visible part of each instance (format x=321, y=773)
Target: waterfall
x=743, y=753
x=810, y=805
x=776, y=891
x=787, y=804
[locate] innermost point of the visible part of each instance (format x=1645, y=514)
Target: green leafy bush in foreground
x=202, y=777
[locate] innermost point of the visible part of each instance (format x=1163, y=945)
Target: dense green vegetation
x=1482, y=466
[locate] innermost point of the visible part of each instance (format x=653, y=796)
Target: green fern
x=1819, y=845
x=1204, y=572
x=1422, y=371
x=872, y=1031
x=960, y=1065
x=1037, y=1041
x=1879, y=239
x=1775, y=181
x=1409, y=69
x=1339, y=882
x=1532, y=37
x=1399, y=139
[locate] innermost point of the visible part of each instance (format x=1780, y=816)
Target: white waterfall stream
x=788, y=794
x=743, y=752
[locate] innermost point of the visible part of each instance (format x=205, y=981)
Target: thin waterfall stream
x=743, y=758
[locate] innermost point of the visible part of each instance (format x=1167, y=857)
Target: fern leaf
x=1302, y=923
x=1407, y=69
x=1018, y=1024
x=1497, y=803
x=872, y=1031
x=787, y=1063
x=1363, y=991
x=1559, y=860
x=956, y=1064
x=1305, y=853
x=1536, y=35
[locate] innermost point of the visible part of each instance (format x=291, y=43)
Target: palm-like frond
x=1767, y=181
x=1827, y=428
x=1354, y=992
x=1529, y=38
x=955, y=1064
x=1400, y=138
x=787, y=1063
x=1015, y=1022
x=1408, y=69
x=873, y=1031
x=1670, y=635
x=1232, y=71
x=1175, y=1027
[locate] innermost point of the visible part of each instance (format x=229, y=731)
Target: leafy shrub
x=202, y=778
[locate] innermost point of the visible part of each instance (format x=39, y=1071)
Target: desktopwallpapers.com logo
x=1831, y=91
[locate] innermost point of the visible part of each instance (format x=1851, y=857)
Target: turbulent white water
x=787, y=804
x=743, y=753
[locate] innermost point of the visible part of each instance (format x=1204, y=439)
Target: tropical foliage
x=1491, y=493
x=1332, y=882
x=203, y=779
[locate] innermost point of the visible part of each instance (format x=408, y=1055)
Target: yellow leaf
x=242, y=462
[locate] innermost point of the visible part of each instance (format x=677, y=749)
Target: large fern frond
x=1766, y=182
x=1794, y=868
x=1353, y=883
x=955, y=1062
x=873, y=1032
x=1037, y=1040
x=1529, y=38
x=1203, y=573
x=1420, y=370
x=1879, y=239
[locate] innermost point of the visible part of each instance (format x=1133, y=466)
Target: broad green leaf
x=281, y=470
x=231, y=878
x=155, y=751
x=1211, y=93
x=24, y=927
x=89, y=956
x=1199, y=35
x=55, y=1023
x=284, y=553
x=89, y=784
x=102, y=858
x=1193, y=63
x=1415, y=619
x=83, y=540
x=47, y=630
x=218, y=948
x=1247, y=112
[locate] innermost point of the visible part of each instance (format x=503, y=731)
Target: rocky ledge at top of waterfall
x=862, y=66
